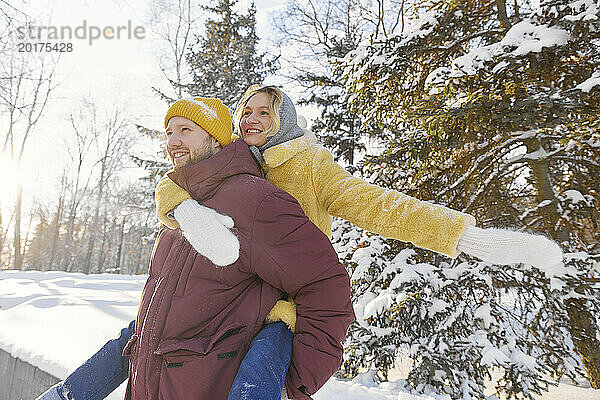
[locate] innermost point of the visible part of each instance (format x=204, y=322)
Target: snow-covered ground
x=56, y=320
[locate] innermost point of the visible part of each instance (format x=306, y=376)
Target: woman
x=292, y=160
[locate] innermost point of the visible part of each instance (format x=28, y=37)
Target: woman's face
x=256, y=119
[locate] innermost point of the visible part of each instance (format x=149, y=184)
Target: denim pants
x=100, y=375
x=260, y=376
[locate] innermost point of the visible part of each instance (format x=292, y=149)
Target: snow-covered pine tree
x=317, y=35
x=500, y=109
x=222, y=63
x=225, y=60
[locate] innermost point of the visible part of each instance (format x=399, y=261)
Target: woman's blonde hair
x=276, y=100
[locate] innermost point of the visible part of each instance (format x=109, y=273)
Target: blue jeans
x=99, y=376
x=260, y=376
x=262, y=373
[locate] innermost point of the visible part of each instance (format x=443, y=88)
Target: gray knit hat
x=288, y=128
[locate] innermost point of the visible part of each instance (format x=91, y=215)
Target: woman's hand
x=167, y=196
x=501, y=246
x=208, y=232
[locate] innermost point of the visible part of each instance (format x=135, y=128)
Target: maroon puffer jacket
x=196, y=320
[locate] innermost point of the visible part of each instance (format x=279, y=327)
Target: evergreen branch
x=152, y=133
x=589, y=163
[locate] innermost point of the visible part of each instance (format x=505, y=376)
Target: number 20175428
x=45, y=47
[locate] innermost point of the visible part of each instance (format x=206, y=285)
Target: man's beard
x=195, y=156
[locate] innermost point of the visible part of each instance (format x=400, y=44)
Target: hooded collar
x=277, y=155
x=288, y=125
x=203, y=179
x=288, y=129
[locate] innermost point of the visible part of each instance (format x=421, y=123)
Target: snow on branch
x=586, y=10
x=587, y=85
x=521, y=39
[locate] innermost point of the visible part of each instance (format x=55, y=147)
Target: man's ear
x=215, y=143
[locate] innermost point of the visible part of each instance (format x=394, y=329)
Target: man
x=196, y=320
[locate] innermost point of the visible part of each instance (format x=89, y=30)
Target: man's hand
x=208, y=232
x=502, y=246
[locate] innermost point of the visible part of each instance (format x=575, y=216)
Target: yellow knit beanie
x=212, y=115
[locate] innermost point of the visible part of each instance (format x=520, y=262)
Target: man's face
x=188, y=143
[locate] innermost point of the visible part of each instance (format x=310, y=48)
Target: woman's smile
x=256, y=119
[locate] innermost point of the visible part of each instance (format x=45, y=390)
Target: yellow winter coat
x=324, y=189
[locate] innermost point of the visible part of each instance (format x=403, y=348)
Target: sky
x=112, y=73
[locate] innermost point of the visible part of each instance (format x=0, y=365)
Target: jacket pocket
x=199, y=345
x=201, y=367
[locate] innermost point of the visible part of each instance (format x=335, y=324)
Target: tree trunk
x=120, y=247
x=582, y=327
x=27, y=233
x=18, y=257
x=139, y=264
x=88, y=256
x=73, y=266
x=502, y=16
x=103, y=251
x=57, y=220
x=90, y=249
x=353, y=136
x=583, y=330
x=67, y=254
x=2, y=237
x=545, y=190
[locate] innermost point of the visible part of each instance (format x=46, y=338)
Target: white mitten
x=501, y=246
x=208, y=232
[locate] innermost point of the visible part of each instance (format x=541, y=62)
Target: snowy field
x=56, y=320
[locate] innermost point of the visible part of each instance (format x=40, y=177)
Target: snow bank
x=56, y=320
x=363, y=388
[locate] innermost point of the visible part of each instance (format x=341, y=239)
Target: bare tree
x=83, y=122
x=57, y=222
x=120, y=244
x=26, y=87
x=111, y=144
x=173, y=21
